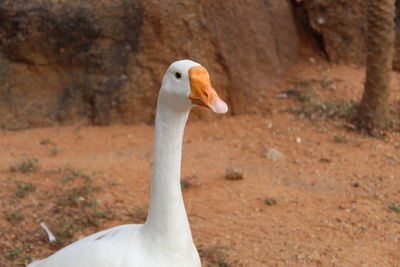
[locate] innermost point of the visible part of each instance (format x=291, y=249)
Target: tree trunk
x=373, y=112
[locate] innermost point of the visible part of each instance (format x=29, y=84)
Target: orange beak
x=201, y=91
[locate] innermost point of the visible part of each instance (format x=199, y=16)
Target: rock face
x=101, y=61
x=342, y=25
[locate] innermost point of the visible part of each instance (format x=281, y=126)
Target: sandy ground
x=325, y=203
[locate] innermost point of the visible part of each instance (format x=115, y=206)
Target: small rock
x=325, y=160
x=298, y=140
x=268, y=124
x=190, y=181
x=301, y=256
x=274, y=154
x=233, y=174
x=270, y=201
x=282, y=96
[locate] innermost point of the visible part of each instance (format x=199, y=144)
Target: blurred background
x=285, y=179
x=101, y=62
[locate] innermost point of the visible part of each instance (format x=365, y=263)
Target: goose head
x=186, y=84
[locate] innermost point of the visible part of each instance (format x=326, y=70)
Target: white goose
x=165, y=238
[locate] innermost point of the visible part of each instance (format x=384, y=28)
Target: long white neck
x=167, y=219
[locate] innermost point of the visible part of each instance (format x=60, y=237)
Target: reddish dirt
x=331, y=191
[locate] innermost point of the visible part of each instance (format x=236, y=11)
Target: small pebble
x=233, y=174
x=274, y=154
x=270, y=201
x=282, y=96
x=325, y=160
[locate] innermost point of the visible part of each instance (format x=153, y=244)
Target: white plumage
x=165, y=239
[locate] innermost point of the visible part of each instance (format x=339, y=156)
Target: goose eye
x=178, y=75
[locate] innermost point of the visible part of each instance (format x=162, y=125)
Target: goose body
x=165, y=238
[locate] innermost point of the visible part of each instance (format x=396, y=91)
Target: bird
x=165, y=239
